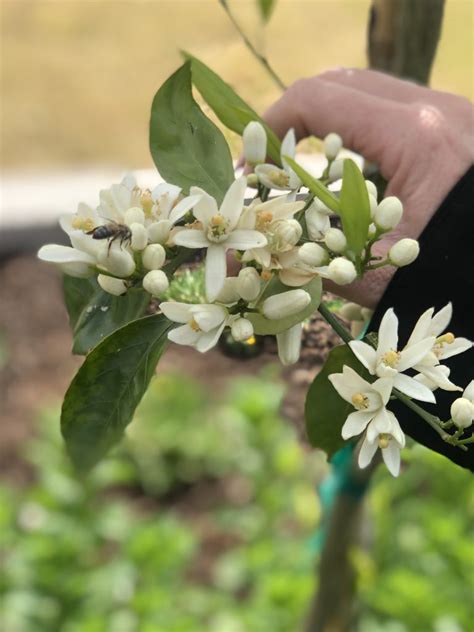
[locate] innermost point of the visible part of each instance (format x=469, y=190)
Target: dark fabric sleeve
x=443, y=272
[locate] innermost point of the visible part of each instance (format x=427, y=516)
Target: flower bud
x=134, y=215
x=367, y=313
x=342, y=271
x=285, y=304
x=335, y=170
x=317, y=223
x=313, y=254
x=371, y=189
x=155, y=282
x=404, y=252
x=255, y=143
x=117, y=261
x=159, y=232
x=111, y=285
x=248, y=284
x=241, y=329
x=351, y=311
x=289, y=345
x=286, y=234
x=332, y=145
x=320, y=207
x=388, y=213
x=469, y=391
x=139, y=236
x=462, y=412
x=154, y=257
x=372, y=230
x=373, y=205
x=335, y=240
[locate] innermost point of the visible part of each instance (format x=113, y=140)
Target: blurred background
x=207, y=517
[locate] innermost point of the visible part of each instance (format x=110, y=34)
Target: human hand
x=421, y=139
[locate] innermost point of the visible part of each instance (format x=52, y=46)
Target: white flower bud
x=155, y=282
x=351, y=311
x=114, y=286
x=255, y=143
x=372, y=230
x=342, y=271
x=335, y=170
x=289, y=345
x=154, y=257
x=371, y=189
x=388, y=213
x=285, y=304
x=335, y=240
x=241, y=329
x=286, y=233
x=159, y=232
x=367, y=313
x=404, y=252
x=462, y=412
x=229, y=293
x=134, y=215
x=320, y=207
x=332, y=145
x=248, y=284
x=373, y=205
x=139, y=236
x=469, y=391
x=117, y=261
x=313, y=255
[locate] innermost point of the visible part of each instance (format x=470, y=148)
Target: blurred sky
x=78, y=78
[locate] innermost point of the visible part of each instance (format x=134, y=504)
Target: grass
x=78, y=77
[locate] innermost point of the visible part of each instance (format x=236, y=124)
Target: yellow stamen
x=360, y=401
x=264, y=219
x=391, y=358
x=384, y=440
x=194, y=326
x=83, y=223
x=447, y=338
x=266, y=275
x=146, y=202
x=251, y=341
x=280, y=179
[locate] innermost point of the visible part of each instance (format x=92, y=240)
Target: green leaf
x=229, y=108
x=187, y=148
x=266, y=327
x=325, y=410
x=354, y=207
x=94, y=314
x=103, y=395
x=266, y=8
x=316, y=187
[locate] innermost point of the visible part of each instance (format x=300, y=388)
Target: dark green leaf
x=187, y=148
x=94, y=314
x=325, y=410
x=354, y=207
x=316, y=187
x=266, y=327
x=230, y=109
x=266, y=8
x=102, y=397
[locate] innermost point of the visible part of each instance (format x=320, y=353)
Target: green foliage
x=266, y=8
x=354, y=207
x=102, y=397
x=230, y=109
x=266, y=327
x=187, y=148
x=325, y=410
x=317, y=188
x=188, y=286
x=94, y=314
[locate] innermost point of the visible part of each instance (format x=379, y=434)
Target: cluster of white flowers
x=422, y=354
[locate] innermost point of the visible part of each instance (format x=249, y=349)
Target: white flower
x=388, y=213
x=155, y=282
x=116, y=260
x=255, y=143
x=71, y=261
x=241, y=329
x=289, y=344
x=387, y=361
x=248, y=284
x=335, y=240
x=139, y=239
x=381, y=425
x=116, y=201
x=272, y=176
x=371, y=189
x=341, y=271
x=154, y=257
x=332, y=145
x=317, y=220
x=167, y=209
x=294, y=271
x=285, y=304
x=404, y=252
x=218, y=232
x=201, y=327
x=462, y=412
x=114, y=286
x=313, y=254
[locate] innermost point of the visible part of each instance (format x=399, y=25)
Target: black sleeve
x=443, y=272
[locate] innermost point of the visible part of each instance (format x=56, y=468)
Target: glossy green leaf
x=230, y=109
x=187, y=148
x=354, y=207
x=103, y=395
x=94, y=314
x=266, y=327
x=317, y=188
x=266, y=8
x=325, y=410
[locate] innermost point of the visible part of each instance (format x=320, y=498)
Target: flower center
x=384, y=440
x=194, y=326
x=264, y=219
x=446, y=339
x=280, y=178
x=391, y=358
x=360, y=401
x=217, y=229
x=146, y=202
x=83, y=223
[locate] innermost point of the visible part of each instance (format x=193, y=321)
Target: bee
x=112, y=231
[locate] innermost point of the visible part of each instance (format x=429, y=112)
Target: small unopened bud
x=134, y=215
x=371, y=189
x=289, y=345
x=351, y=311
x=241, y=329
x=154, y=257
x=332, y=145
x=367, y=313
x=462, y=412
x=372, y=230
x=114, y=286
x=335, y=240
x=117, y=261
x=404, y=252
x=248, y=284
x=335, y=170
x=159, y=232
x=342, y=271
x=313, y=254
x=139, y=236
x=373, y=205
x=388, y=213
x=287, y=233
x=469, y=391
x=155, y=282
x=252, y=180
x=285, y=304
x=255, y=143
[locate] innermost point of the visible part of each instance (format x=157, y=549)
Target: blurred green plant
x=187, y=286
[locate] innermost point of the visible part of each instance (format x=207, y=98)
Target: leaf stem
x=332, y=320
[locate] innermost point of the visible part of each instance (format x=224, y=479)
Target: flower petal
x=216, y=270
x=413, y=388
x=184, y=335
x=206, y=207
x=177, y=312
x=183, y=207
x=209, y=339
x=438, y=377
x=242, y=239
x=355, y=424
x=288, y=145
x=441, y=320
x=365, y=354
x=348, y=383
x=388, y=333
x=190, y=238
x=422, y=327
x=410, y=356
x=366, y=453
x=391, y=456
x=380, y=424
x=54, y=253
x=458, y=346
x=233, y=202
x=208, y=316
x=383, y=386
